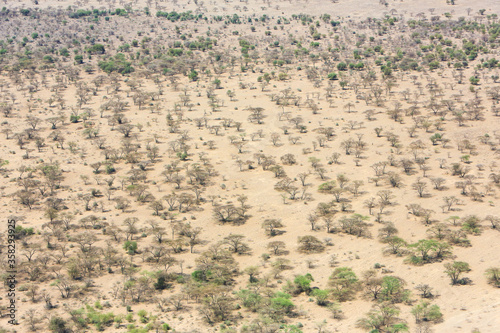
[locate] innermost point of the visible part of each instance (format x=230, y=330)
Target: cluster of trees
x=108, y=112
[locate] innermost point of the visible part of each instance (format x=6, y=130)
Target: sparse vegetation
x=191, y=165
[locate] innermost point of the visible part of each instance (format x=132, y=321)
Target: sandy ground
x=464, y=308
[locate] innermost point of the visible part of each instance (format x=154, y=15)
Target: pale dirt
x=464, y=307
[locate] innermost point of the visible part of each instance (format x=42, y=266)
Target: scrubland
x=250, y=166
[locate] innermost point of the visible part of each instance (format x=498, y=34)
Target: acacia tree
x=344, y=283
x=310, y=244
x=27, y=198
x=236, y=244
x=52, y=175
x=354, y=225
x=455, y=269
x=224, y=213
x=278, y=247
x=287, y=185
x=216, y=303
x=420, y=187
x=372, y=284
x=395, y=244
x=192, y=234
x=425, y=312
x=424, y=248
x=271, y=226
x=383, y=318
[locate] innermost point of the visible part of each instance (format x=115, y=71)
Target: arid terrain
x=250, y=166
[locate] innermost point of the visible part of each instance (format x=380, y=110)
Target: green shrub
x=110, y=169
x=474, y=80
x=424, y=311
x=175, y=52
x=321, y=296
x=161, y=283
x=332, y=76
x=303, y=283
x=117, y=64
x=282, y=305
x=344, y=283
x=182, y=155
x=493, y=275
x=64, y=52
x=193, y=75
x=434, y=65
x=199, y=276
x=130, y=247
x=251, y=300
x=21, y=232
x=48, y=59
x=58, y=325
x=471, y=224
